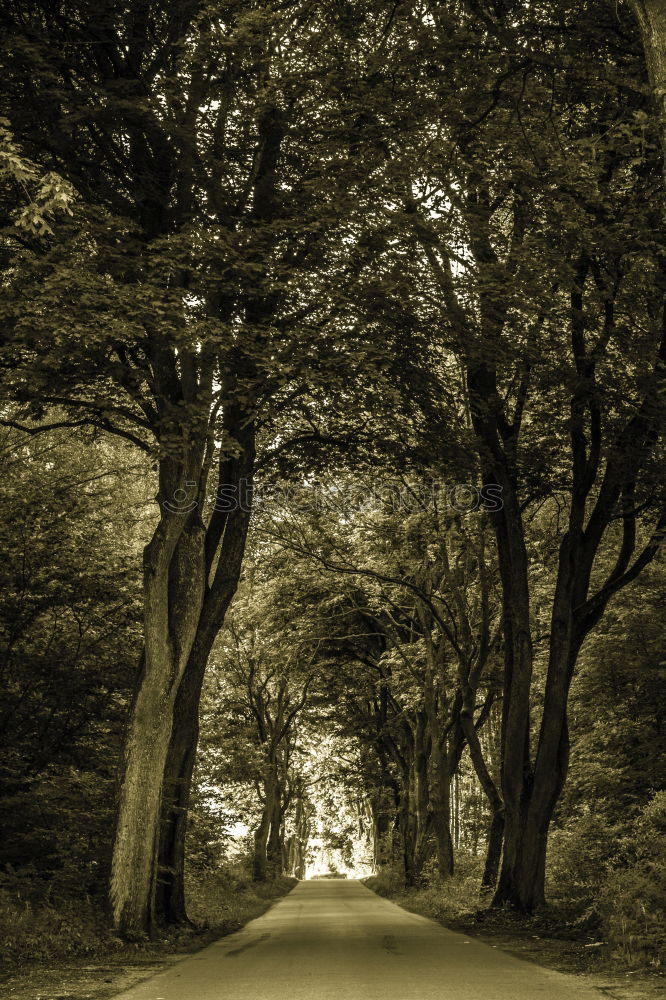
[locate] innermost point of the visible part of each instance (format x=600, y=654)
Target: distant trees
x=409, y=635
x=269, y=685
x=258, y=728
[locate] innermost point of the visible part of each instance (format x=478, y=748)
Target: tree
x=521, y=227
x=651, y=18
x=411, y=595
x=180, y=309
x=271, y=688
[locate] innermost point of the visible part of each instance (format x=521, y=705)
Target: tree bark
x=440, y=786
x=493, y=852
x=170, y=903
x=440, y=799
x=225, y=539
x=138, y=816
x=496, y=833
x=260, y=866
x=384, y=811
x=421, y=796
x=274, y=847
x=651, y=17
x=298, y=841
x=173, y=594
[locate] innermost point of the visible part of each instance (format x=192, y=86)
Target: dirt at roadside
x=565, y=956
x=546, y=941
x=81, y=980
x=586, y=960
x=105, y=975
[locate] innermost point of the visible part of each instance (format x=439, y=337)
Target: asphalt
x=337, y=940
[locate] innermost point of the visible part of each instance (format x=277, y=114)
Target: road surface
x=337, y=940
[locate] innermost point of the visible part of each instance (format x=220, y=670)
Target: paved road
x=337, y=940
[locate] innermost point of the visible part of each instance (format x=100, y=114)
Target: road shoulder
x=102, y=977
x=530, y=941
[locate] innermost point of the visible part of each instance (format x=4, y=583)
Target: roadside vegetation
x=603, y=913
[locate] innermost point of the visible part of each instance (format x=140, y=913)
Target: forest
x=332, y=503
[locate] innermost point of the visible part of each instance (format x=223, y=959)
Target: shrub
x=578, y=857
x=43, y=929
x=440, y=899
x=226, y=899
x=387, y=882
x=632, y=901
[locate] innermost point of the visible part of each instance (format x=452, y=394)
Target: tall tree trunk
x=225, y=539
x=440, y=793
x=651, y=16
x=384, y=813
x=261, y=865
x=408, y=810
x=260, y=857
x=382, y=825
x=522, y=878
x=496, y=833
x=173, y=595
x=406, y=830
x=170, y=904
x=133, y=874
x=291, y=855
x=493, y=852
x=384, y=797
x=423, y=818
x=274, y=847
x=518, y=663
x=298, y=842
x=440, y=800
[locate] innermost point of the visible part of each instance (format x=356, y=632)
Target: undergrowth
x=223, y=903
x=38, y=926
x=445, y=901
x=612, y=906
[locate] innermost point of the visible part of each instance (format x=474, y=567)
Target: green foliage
x=38, y=929
x=39, y=197
x=226, y=900
x=578, y=857
x=632, y=901
x=388, y=883
x=445, y=901
x=55, y=829
x=34, y=930
x=209, y=843
x=69, y=633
